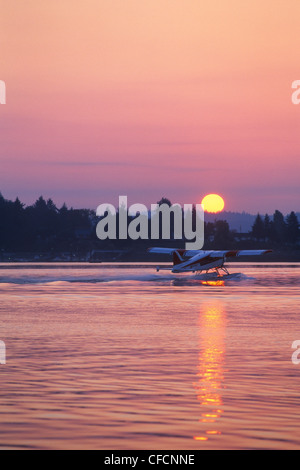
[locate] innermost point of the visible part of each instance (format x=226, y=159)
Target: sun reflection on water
x=219, y=282
x=212, y=324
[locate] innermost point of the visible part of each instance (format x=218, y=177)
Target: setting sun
x=213, y=203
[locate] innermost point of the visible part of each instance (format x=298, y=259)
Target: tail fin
x=177, y=257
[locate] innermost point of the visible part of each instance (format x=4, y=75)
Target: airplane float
x=197, y=261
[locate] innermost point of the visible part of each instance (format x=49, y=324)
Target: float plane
x=185, y=261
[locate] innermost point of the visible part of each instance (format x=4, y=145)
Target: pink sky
x=152, y=98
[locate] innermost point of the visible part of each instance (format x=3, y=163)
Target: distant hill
x=241, y=222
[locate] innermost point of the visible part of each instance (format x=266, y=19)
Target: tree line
x=278, y=230
x=43, y=227
x=40, y=227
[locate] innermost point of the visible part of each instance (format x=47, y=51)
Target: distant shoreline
x=140, y=257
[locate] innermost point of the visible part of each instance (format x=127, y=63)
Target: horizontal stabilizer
x=253, y=252
x=162, y=251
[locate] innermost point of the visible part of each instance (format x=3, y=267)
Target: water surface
x=122, y=357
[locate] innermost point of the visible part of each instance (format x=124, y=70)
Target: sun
x=213, y=203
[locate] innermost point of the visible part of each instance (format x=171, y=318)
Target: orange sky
x=151, y=98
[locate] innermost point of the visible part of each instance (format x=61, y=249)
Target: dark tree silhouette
x=292, y=228
x=258, y=229
x=279, y=226
x=223, y=238
x=164, y=200
x=268, y=227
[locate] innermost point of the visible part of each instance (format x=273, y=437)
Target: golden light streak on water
x=212, y=330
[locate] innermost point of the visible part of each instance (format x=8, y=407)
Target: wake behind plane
x=197, y=261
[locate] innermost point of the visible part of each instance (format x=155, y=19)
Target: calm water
x=125, y=358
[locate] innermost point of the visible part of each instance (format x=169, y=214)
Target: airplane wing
x=236, y=253
x=212, y=253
